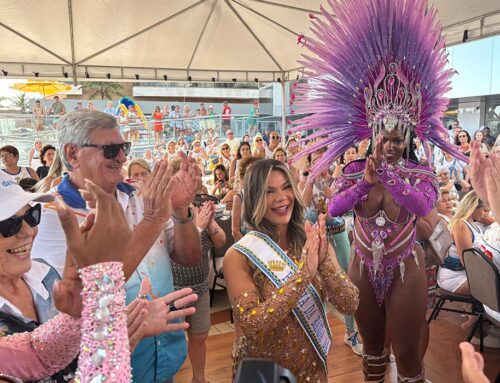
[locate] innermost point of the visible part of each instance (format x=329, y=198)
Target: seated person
x=466, y=233
x=221, y=182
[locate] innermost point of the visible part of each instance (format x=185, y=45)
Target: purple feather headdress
x=375, y=64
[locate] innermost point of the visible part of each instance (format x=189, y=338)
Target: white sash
x=268, y=257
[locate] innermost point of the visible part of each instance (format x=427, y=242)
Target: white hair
x=75, y=128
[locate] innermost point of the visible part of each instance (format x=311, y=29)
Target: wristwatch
x=181, y=221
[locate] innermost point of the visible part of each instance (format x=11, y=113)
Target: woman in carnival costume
x=278, y=276
x=380, y=73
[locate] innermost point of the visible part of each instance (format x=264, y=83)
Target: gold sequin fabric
x=270, y=329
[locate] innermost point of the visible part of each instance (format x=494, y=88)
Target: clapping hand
x=101, y=238
x=323, y=244
x=311, y=247
x=105, y=234
x=205, y=214
x=370, y=173
x=187, y=183
x=480, y=168
x=157, y=193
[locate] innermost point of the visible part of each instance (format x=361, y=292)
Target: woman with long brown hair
x=279, y=274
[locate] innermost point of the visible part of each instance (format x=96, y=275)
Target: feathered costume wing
x=374, y=58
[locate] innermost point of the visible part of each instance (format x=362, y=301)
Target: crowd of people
x=237, y=173
x=166, y=121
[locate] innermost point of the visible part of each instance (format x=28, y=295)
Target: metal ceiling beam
x=471, y=20
x=34, y=43
x=253, y=34
x=140, y=32
x=265, y=17
x=72, y=40
x=289, y=7
x=201, y=35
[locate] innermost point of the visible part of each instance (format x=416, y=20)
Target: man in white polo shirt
x=91, y=147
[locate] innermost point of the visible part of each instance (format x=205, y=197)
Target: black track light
x=5, y=73
x=234, y=80
x=189, y=78
x=136, y=76
x=165, y=77
x=65, y=74
x=465, y=37
x=213, y=79
x=87, y=74
x=36, y=74
x=108, y=76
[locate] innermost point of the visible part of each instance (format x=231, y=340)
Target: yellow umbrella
x=45, y=87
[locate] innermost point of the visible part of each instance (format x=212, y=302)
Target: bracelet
x=181, y=221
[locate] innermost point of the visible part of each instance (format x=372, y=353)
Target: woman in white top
x=478, y=136
x=171, y=153
x=10, y=158
x=466, y=234
x=34, y=157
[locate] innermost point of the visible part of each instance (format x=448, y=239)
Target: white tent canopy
x=201, y=40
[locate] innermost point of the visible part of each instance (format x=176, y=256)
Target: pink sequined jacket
x=104, y=348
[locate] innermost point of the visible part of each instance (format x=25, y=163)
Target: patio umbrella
x=45, y=87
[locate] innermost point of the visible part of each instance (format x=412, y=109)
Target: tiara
x=393, y=102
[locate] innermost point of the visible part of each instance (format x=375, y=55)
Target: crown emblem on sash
x=276, y=265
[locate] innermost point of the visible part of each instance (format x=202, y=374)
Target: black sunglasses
x=112, y=150
x=12, y=226
x=275, y=137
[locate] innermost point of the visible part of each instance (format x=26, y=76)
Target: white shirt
x=22, y=173
x=269, y=153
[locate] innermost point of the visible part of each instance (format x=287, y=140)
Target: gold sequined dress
x=269, y=329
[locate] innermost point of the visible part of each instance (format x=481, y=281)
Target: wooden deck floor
x=442, y=360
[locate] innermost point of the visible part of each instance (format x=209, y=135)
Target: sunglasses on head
x=112, y=150
x=12, y=226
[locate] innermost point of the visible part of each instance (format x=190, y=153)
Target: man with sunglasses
x=91, y=147
x=274, y=142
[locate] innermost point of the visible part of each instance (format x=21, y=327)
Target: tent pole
x=283, y=110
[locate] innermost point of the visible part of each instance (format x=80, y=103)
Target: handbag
x=437, y=246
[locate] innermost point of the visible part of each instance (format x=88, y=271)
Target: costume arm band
x=43, y=352
x=256, y=317
x=345, y=199
x=104, y=350
x=418, y=199
x=341, y=291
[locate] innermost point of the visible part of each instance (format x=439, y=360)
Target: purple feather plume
x=349, y=45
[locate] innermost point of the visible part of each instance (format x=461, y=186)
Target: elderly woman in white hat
x=31, y=349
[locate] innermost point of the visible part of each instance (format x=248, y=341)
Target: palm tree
x=21, y=102
x=103, y=89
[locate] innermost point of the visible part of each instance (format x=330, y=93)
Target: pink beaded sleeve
x=104, y=351
x=418, y=197
x=43, y=352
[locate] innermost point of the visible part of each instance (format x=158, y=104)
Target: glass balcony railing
x=22, y=130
